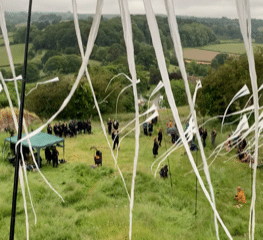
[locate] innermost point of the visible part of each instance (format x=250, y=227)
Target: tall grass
x=97, y=206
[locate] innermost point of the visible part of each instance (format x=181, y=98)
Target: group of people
x=157, y=142
x=72, y=129
x=148, y=127
x=51, y=154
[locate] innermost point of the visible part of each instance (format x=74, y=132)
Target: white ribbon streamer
x=163, y=70
x=243, y=10
x=241, y=93
x=56, y=79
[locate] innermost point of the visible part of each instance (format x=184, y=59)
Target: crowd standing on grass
x=72, y=129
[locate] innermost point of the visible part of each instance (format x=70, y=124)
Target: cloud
x=199, y=8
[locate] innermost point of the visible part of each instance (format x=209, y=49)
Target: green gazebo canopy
x=40, y=140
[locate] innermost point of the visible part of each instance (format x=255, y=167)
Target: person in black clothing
x=79, y=126
x=173, y=136
x=75, y=127
x=98, y=158
x=55, y=129
x=150, y=128
x=155, y=147
x=213, y=137
x=242, y=144
x=71, y=128
x=49, y=129
x=155, y=120
x=65, y=129
x=201, y=131
x=60, y=129
x=115, y=124
x=48, y=155
x=160, y=137
x=193, y=146
x=109, y=123
x=164, y=172
x=83, y=124
x=204, y=136
x=55, y=154
x=145, y=128
x=89, y=126
x=115, y=138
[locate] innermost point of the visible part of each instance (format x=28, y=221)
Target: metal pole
x=13, y=216
x=196, y=187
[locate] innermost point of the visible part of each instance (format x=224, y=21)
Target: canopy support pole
x=4, y=150
x=38, y=158
x=13, y=215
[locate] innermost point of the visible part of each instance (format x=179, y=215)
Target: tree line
x=224, y=81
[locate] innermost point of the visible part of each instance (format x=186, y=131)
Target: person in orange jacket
x=240, y=197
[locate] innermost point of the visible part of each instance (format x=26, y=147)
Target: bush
x=33, y=73
x=49, y=54
x=63, y=64
x=178, y=89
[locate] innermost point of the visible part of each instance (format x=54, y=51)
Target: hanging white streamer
x=56, y=79
x=127, y=31
x=8, y=49
x=95, y=24
x=13, y=79
x=21, y=177
x=162, y=66
x=241, y=93
x=120, y=74
x=243, y=10
x=179, y=54
x=158, y=87
x=138, y=81
x=198, y=86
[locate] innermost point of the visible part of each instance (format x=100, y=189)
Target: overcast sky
x=199, y=8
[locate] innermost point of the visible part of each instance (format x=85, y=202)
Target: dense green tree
x=20, y=34
x=179, y=93
x=55, y=64
x=101, y=53
x=155, y=75
x=218, y=60
x=114, y=52
x=196, y=34
x=63, y=64
x=193, y=68
x=72, y=64
x=146, y=56
x=33, y=73
x=81, y=103
x=220, y=85
x=259, y=37
x=49, y=54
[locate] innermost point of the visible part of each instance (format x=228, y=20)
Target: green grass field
x=235, y=48
x=96, y=204
x=17, y=54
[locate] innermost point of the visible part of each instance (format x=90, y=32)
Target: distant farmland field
x=17, y=53
x=199, y=55
x=236, y=48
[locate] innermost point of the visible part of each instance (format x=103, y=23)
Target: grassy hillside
x=96, y=204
